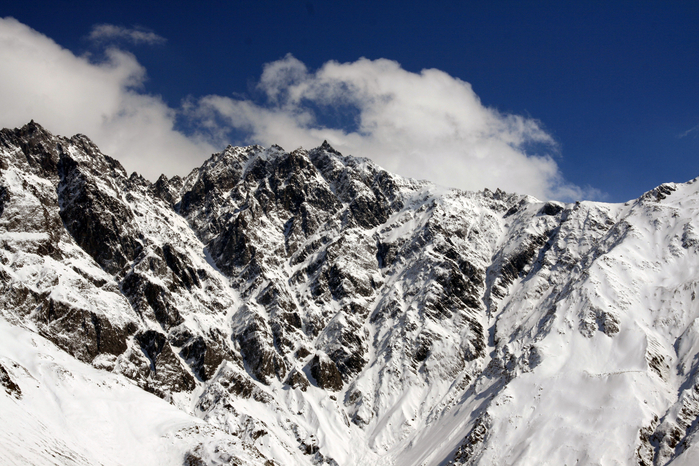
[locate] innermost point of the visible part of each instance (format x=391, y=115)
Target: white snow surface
x=72, y=414
x=591, y=353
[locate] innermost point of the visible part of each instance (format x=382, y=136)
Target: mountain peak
x=34, y=130
x=328, y=148
x=309, y=308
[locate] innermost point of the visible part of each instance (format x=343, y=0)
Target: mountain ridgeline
x=311, y=308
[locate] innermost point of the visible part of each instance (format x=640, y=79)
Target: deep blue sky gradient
x=615, y=83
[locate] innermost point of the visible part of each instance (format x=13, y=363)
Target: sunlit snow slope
x=311, y=308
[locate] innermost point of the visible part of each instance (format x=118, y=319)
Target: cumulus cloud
x=426, y=125
x=68, y=94
x=110, y=32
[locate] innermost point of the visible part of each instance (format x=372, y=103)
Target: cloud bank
x=426, y=125
x=68, y=94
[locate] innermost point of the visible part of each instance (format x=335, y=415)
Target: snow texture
x=310, y=308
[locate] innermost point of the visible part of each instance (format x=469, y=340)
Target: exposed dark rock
x=179, y=336
x=152, y=343
x=369, y=212
x=456, y=285
x=231, y=248
x=645, y=453
x=326, y=374
x=99, y=222
x=40, y=148
x=551, y=208
x=473, y=440
x=690, y=239
x=192, y=459
x=4, y=198
x=659, y=193
x=258, y=351
x=227, y=385
x=423, y=349
x=516, y=264
x=203, y=356
x=598, y=319
x=511, y=211
x=302, y=353
x=144, y=294
x=238, y=385
x=386, y=253
x=305, y=242
x=350, y=357
x=11, y=388
x=297, y=379
x=179, y=264
x=167, y=371
x=167, y=190
x=81, y=333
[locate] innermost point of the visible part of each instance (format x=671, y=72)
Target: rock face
x=11, y=388
x=101, y=267
x=315, y=309
x=326, y=374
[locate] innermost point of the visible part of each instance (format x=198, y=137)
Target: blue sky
x=594, y=100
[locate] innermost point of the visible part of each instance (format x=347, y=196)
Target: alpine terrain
x=310, y=308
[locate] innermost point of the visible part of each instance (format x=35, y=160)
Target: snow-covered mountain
x=310, y=308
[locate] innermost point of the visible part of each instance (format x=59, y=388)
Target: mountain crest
x=309, y=307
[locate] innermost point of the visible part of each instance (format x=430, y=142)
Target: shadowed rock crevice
x=204, y=356
x=11, y=388
x=166, y=371
x=325, y=373
x=80, y=332
x=148, y=298
x=99, y=222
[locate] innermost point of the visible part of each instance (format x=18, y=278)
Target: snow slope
x=68, y=413
x=308, y=307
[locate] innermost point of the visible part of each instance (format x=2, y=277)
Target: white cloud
x=425, y=125
x=689, y=131
x=68, y=94
x=109, y=32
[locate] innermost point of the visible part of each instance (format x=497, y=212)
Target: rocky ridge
x=312, y=308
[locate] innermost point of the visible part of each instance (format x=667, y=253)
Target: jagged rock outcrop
x=108, y=267
x=325, y=373
x=11, y=388
x=311, y=308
